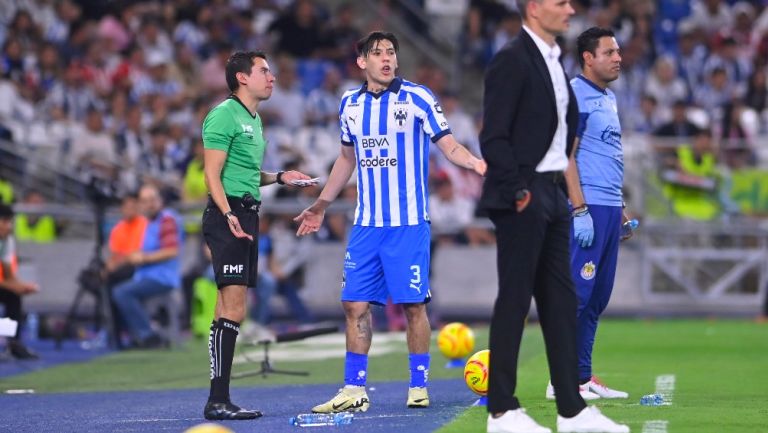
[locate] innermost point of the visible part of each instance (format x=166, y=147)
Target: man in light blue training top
x=594, y=177
x=386, y=128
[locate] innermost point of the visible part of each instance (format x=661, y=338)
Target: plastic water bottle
x=628, y=227
x=33, y=327
x=322, y=419
x=652, y=400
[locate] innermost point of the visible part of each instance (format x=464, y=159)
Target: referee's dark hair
x=240, y=61
x=589, y=40
x=367, y=43
x=6, y=212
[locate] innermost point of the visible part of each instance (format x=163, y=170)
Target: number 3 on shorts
x=416, y=280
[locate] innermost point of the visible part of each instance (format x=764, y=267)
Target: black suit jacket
x=519, y=120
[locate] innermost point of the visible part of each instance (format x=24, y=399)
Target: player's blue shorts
x=387, y=261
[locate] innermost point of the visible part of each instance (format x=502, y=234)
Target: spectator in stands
x=11, y=288
x=124, y=239
x=711, y=15
x=679, y=126
x=644, y=120
x=664, y=85
x=736, y=134
x=452, y=215
x=341, y=35
x=322, y=106
x=757, y=93
x=35, y=227
x=286, y=106
x=157, y=81
x=158, y=267
x=73, y=94
x=92, y=148
x=715, y=92
x=298, y=31
x=692, y=54
x=157, y=164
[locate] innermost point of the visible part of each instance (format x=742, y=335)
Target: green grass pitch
x=721, y=384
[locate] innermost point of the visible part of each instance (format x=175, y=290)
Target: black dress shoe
x=20, y=351
x=225, y=411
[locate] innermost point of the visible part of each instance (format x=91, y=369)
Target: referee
x=234, y=151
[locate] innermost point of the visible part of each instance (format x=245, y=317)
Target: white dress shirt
x=555, y=159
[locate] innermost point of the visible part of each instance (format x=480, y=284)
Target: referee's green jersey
x=231, y=127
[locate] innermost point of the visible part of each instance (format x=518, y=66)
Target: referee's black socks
x=221, y=348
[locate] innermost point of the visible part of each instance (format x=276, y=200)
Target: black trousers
x=12, y=303
x=533, y=260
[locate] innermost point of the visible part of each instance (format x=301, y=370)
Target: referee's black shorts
x=235, y=261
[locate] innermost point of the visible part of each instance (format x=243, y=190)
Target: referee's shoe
x=225, y=411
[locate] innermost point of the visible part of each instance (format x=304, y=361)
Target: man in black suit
x=530, y=119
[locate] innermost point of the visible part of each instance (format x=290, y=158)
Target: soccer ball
x=456, y=340
x=208, y=428
x=476, y=372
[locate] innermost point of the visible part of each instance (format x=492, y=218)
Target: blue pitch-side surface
x=175, y=411
x=70, y=351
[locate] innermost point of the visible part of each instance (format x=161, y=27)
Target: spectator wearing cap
x=157, y=81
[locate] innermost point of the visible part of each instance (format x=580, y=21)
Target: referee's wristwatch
x=279, y=178
x=228, y=214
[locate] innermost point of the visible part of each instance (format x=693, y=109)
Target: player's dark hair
x=367, y=43
x=240, y=61
x=6, y=212
x=589, y=40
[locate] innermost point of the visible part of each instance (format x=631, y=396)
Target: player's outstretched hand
x=297, y=178
x=480, y=167
x=309, y=221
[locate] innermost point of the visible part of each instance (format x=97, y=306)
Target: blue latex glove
x=584, y=230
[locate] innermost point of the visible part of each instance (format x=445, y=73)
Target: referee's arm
x=213, y=163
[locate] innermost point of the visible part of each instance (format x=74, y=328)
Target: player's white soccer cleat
x=348, y=399
x=514, y=421
x=586, y=394
x=418, y=397
x=596, y=386
x=589, y=420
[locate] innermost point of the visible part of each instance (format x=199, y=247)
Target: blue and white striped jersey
x=390, y=132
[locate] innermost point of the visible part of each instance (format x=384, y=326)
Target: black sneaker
x=20, y=351
x=225, y=411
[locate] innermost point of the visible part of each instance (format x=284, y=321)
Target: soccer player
x=233, y=152
x=386, y=125
x=594, y=178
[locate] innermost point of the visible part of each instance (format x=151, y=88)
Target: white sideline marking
x=665, y=385
x=656, y=426
x=325, y=347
